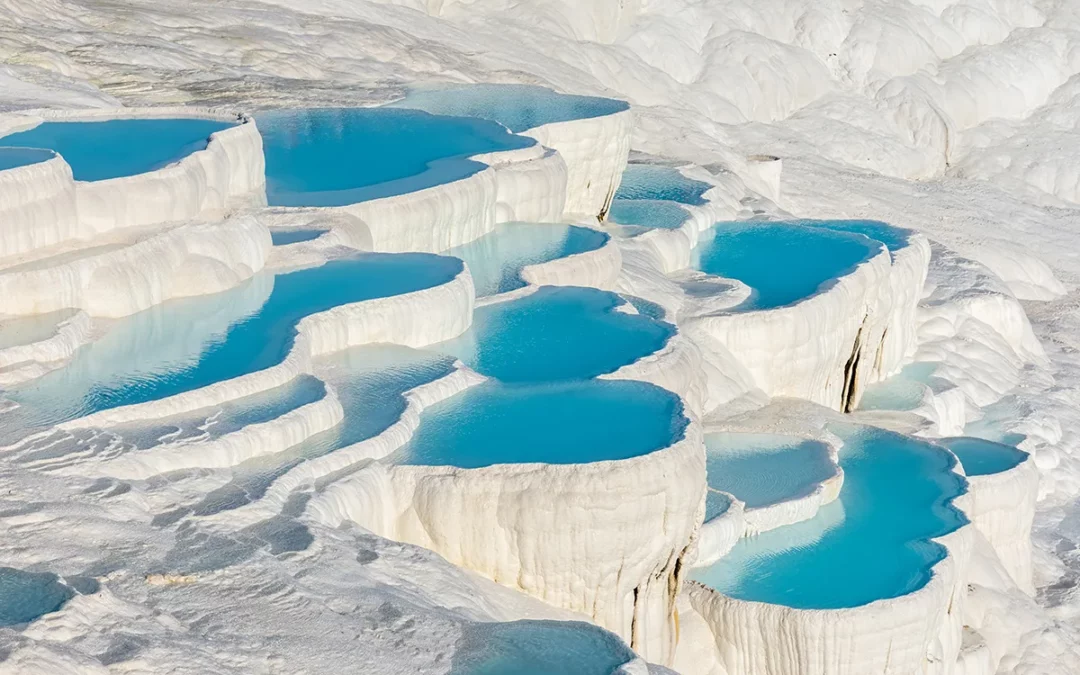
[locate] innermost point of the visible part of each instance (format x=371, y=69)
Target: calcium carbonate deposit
x=499, y=337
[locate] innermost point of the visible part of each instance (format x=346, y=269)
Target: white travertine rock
x=116, y=280
x=595, y=150
x=37, y=206
x=599, y=268
x=621, y=564
x=21, y=363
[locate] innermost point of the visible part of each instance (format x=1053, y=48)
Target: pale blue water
x=190, y=343
x=903, y=391
x=557, y=333
x=338, y=156
x=370, y=382
x=106, y=149
x=646, y=213
x=538, y=648
x=652, y=182
x=294, y=236
x=869, y=544
x=11, y=158
x=518, y=107
x=782, y=262
x=716, y=503
x=763, y=469
x=980, y=457
x=496, y=260
x=25, y=596
x=556, y=423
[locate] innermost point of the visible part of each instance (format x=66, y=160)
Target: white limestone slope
x=38, y=206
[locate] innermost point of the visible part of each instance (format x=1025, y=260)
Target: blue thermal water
x=903, y=391
x=555, y=423
x=24, y=596
x=338, y=156
x=517, y=107
x=869, y=544
x=763, y=469
x=294, y=236
x=106, y=149
x=716, y=503
x=11, y=158
x=557, y=333
x=782, y=262
x=187, y=344
x=980, y=457
x=647, y=213
x=538, y=648
x=894, y=238
x=653, y=182
x=496, y=259
x=370, y=382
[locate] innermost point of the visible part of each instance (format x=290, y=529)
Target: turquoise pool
x=99, y=150
x=646, y=214
x=538, y=648
x=13, y=158
x=903, y=391
x=518, y=107
x=870, y=544
x=654, y=182
x=782, y=262
x=555, y=423
x=557, y=333
x=764, y=469
x=339, y=156
x=980, y=457
x=496, y=260
x=25, y=596
x=294, y=236
x=187, y=344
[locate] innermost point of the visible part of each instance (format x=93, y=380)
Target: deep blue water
x=647, y=213
x=106, y=149
x=187, y=344
x=654, y=182
x=24, y=596
x=981, y=457
x=338, y=156
x=518, y=107
x=869, y=544
x=11, y=158
x=557, y=333
x=538, y=648
x=782, y=262
x=763, y=469
x=556, y=423
x=496, y=260
x=294, y=236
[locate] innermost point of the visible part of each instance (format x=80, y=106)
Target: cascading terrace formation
x=599, y=383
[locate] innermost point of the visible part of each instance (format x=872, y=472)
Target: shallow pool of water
x=24, y=330
x=556, y=423
x=12, y=158
x=496, y=260
x=187, y=344
x=980, y=457
x=103, y=149
x=869, y=544
x=903, y=391
x=538, y=648
x=782, y=262
x=518, y=107
x=894, y=238
x=294, y=236
x=338, y=156
x=763, y=469
x=650, y=214
x=654, y=182
x=25, y=596
x=557, y=333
